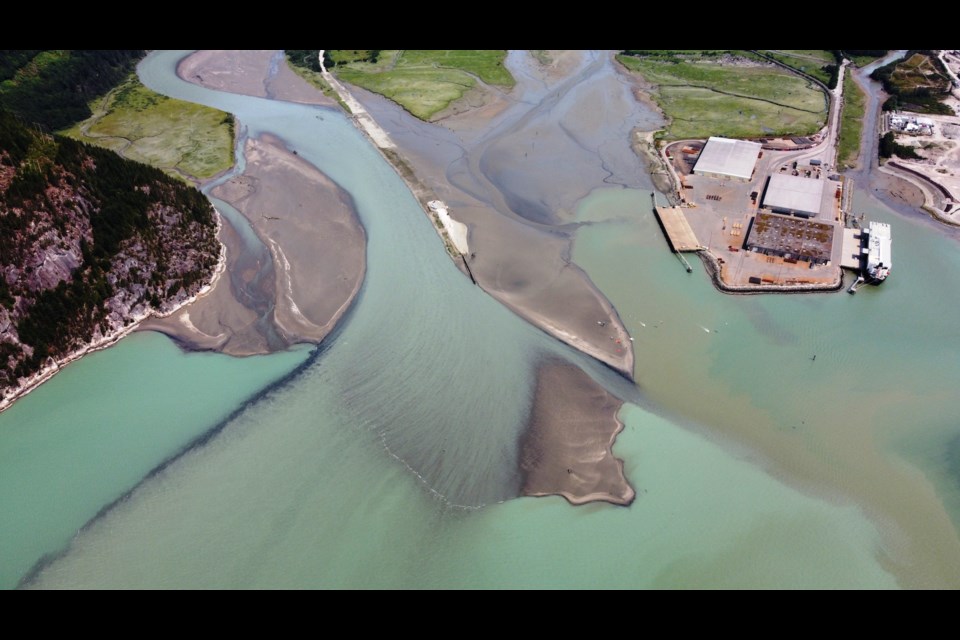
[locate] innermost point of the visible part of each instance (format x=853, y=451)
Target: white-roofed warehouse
x=794, y=194
x=726, y=158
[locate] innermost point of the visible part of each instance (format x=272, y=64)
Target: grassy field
x=821, y=55
x=703, y=98
x=862, y=61
x=425, y=82
x=179, y=137
x=809, y=61
x=680, y=53
x=851, y=123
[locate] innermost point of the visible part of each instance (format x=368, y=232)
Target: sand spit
x=513, y=170
x=262, y=73
x=316, y=253
x=567, y=448
x=544, y=288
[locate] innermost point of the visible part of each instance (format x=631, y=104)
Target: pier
x=677, y=229
x=852, y=255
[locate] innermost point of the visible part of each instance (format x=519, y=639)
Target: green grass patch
x=169, y=134
x=346, y=56
x=704, y=98
x=821, y=55
x=851, y=123
x=862, y=61
x=679, y=53
x=425, y=82
x=809, y=61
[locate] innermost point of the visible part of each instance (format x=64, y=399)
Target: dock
x=677, y=229
x=851, y=258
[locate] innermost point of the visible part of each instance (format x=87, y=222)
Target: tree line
x=918, y=99
x=53, y=89
x=57, y=185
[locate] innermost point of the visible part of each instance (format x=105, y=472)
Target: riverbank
x=736, y=96
x=427, y=83
x=185, y=139
x=309, y=264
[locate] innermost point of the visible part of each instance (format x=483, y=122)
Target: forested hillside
x=88, y=241
x=53, y=87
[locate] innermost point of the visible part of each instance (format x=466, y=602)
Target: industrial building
x=791, y=238
x=908, y=123
x=794, y=195
x=726, y=158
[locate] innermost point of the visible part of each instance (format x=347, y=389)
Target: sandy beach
x=567, y=448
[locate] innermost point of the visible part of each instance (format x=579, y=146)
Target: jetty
x=675, y=226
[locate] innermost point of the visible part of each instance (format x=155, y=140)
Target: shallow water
x=96, y=428
x=350, y=472
x=336, y=516
x=883, y=379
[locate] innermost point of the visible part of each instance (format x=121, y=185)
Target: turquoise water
x=355, y=471
x=334, y=515
x=881, y=391
x=96, y=428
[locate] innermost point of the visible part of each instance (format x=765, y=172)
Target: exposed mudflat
x=262, y=73
x=514, y=167
x=295, y=290
x=567, y=448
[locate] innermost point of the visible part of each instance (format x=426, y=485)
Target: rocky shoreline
x=28, y=384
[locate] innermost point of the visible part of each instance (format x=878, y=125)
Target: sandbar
x=512, y=167
x=310, y=271
x=567, y=447
x=260, y=73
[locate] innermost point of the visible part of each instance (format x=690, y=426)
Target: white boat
x=878, y=257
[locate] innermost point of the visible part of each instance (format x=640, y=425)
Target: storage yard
x=768, y=218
